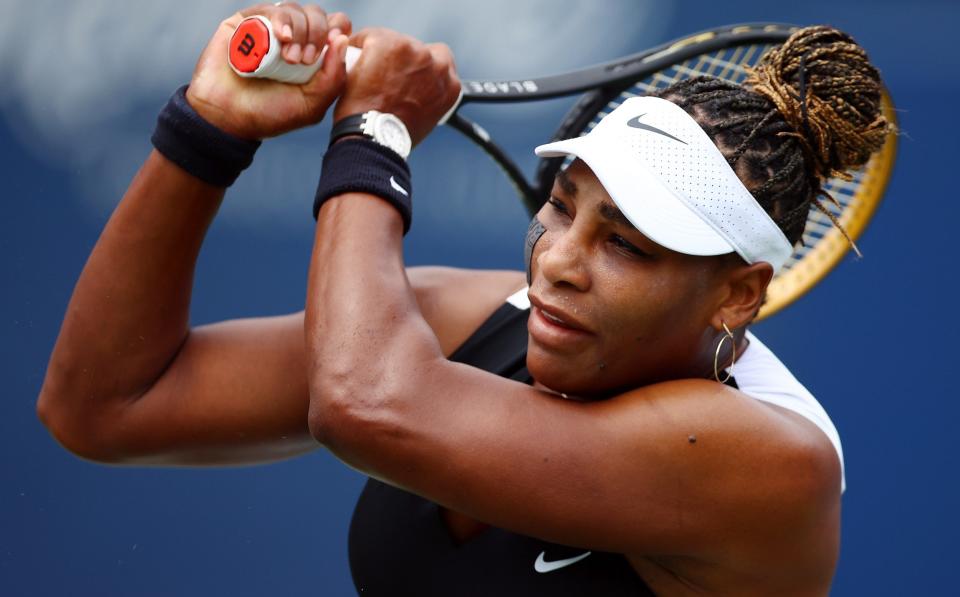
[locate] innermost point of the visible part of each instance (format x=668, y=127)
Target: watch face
x=390, y=131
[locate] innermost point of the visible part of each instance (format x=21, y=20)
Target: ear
x=746, y=286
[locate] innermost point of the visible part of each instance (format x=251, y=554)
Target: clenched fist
x=259, y=108
x=398, y=74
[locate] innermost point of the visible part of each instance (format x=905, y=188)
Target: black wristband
x=364, y=166
x=198, y=147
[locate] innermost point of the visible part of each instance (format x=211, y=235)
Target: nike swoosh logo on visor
x=635, y=123
x=396, y=186
x=542, y=566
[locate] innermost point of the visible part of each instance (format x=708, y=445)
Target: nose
x=562, y=260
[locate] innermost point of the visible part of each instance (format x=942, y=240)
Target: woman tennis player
x=603, y=425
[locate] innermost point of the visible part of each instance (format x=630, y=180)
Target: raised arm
x=689, y=468
x=128, y=381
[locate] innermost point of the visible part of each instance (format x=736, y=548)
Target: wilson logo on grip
x=246, y=45
x=249, y=44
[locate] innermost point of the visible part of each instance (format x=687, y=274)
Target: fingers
x=279, y=18
x=396, y=73
x=442, y=56
x=443, y=59
x=341, y=21
x=334, y=63
x=360, y=37
x=317, y=28
x=290, y=25
x=328, y=83
x=301, y=30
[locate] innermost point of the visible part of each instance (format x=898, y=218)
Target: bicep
x=237, y=391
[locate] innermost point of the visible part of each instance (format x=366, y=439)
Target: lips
x=552, y=326
x=554, y=320
x=557, y=316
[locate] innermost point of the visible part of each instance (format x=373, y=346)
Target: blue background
x=875, y=341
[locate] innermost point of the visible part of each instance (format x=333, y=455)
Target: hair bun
x=827, y=90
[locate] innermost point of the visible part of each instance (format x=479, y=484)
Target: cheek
x=634, y=318
x=647, y=319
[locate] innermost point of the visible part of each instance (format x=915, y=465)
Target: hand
x=403, y=76
x=258, y=108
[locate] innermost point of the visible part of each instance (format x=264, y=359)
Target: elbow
x=364, y=403
x=323, y=415
x=329, y=399
x=339, y=411
x=356, y=417
x=73, y=429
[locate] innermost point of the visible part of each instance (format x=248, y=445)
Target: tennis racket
x=726, y=53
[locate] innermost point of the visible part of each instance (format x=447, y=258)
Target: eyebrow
x=566, y=184
x=607, y=210
x=612, y=212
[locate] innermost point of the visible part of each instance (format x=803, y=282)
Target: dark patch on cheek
x=534, y=232
x=692, y=439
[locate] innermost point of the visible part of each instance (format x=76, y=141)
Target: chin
x=563, y=375
x=579, y=375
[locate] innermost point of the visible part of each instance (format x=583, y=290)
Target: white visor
x=673, y=184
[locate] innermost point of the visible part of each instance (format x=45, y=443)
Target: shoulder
x=456, y=301
x=758, y=459
x=757, y=487
x=763, y=377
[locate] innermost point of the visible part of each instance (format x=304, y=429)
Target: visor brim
x=644, y=200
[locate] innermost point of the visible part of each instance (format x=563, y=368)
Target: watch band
x=351, y=125
x=382, y=127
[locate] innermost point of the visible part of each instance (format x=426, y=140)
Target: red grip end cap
x=249, y=44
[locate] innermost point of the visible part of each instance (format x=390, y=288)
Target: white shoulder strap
x=519, y=299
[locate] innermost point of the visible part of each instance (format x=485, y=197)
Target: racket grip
x=254, y=52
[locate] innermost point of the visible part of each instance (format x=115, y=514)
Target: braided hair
x=809, y=110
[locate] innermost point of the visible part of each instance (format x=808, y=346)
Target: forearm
x=129, y=312
x=365, y=335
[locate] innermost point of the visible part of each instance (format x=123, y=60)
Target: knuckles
x=401, y=74
x=341, y=21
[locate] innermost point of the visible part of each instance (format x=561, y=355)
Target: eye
x=624, y=245
x=558, y=205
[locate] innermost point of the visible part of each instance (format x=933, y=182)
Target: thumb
x=329, y=81
x=335, y=62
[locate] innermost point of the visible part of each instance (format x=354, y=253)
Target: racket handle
x=254, y=52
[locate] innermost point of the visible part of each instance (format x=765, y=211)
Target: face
x=611, y=309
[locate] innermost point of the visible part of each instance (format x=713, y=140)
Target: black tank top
x=399, y=544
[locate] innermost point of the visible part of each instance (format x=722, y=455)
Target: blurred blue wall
x=875, y=341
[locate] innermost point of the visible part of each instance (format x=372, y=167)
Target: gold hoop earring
x=716, y=355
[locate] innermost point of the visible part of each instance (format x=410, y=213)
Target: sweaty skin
x=750, y=507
